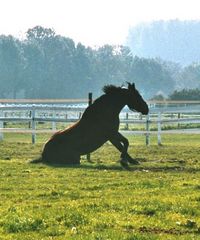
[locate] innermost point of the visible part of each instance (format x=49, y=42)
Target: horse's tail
x=37, y=160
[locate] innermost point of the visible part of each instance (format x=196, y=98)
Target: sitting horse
x=98, y=124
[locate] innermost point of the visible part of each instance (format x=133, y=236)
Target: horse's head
x=135, y=100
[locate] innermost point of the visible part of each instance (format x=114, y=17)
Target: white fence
x=160, y=115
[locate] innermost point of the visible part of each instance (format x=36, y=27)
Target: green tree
x=39, y=33
x=53, y=63
x=189, y=77
x=186, y=94
x=11, y=66
x=151, y=77
x=33, y=69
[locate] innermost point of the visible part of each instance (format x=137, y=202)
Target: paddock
x=99, y=199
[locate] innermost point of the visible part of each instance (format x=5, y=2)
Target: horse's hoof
x=133, y=161
x=124, y=164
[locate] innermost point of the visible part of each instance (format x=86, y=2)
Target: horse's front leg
x=122, y=143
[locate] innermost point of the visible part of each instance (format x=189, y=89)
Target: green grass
x=159, y=199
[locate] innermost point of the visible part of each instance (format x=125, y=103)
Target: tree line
x=47, y=65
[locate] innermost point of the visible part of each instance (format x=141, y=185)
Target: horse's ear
x=131, y=86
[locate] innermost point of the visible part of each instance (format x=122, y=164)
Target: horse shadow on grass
x=92, y=165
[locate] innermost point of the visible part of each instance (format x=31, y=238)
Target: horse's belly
x=79, y=139
x=90, y=144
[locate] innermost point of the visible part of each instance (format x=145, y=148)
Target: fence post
x=127, y=127
x=179, y=116
x=89, y=103
x=159, y=129
x=147, y=129
x=1, y=125
x=33, y=124
x=29, y=123
x=54, y=123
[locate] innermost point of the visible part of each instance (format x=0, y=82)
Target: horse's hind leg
x=57, y=154
x=73, y=159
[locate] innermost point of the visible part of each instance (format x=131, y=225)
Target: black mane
x=107, y=89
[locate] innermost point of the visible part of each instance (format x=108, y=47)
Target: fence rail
x=56, y=113
x=67, y=100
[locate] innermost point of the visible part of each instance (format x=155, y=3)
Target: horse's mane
x=107, y=89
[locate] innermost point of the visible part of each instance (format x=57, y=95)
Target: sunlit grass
x=159, y=199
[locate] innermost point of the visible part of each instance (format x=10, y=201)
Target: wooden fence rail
x=157, y=119
x=56, y=111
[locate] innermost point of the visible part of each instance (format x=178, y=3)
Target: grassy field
x=158, y=199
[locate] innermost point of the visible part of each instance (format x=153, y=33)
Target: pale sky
x=91, y=22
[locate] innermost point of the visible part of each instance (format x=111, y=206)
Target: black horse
x=99, y=123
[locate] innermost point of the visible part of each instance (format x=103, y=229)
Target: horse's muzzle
x=145, y=110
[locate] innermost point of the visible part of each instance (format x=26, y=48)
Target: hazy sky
x=91, y=22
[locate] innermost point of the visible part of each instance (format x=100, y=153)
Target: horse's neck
x=104, y=106
x=110, y=104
